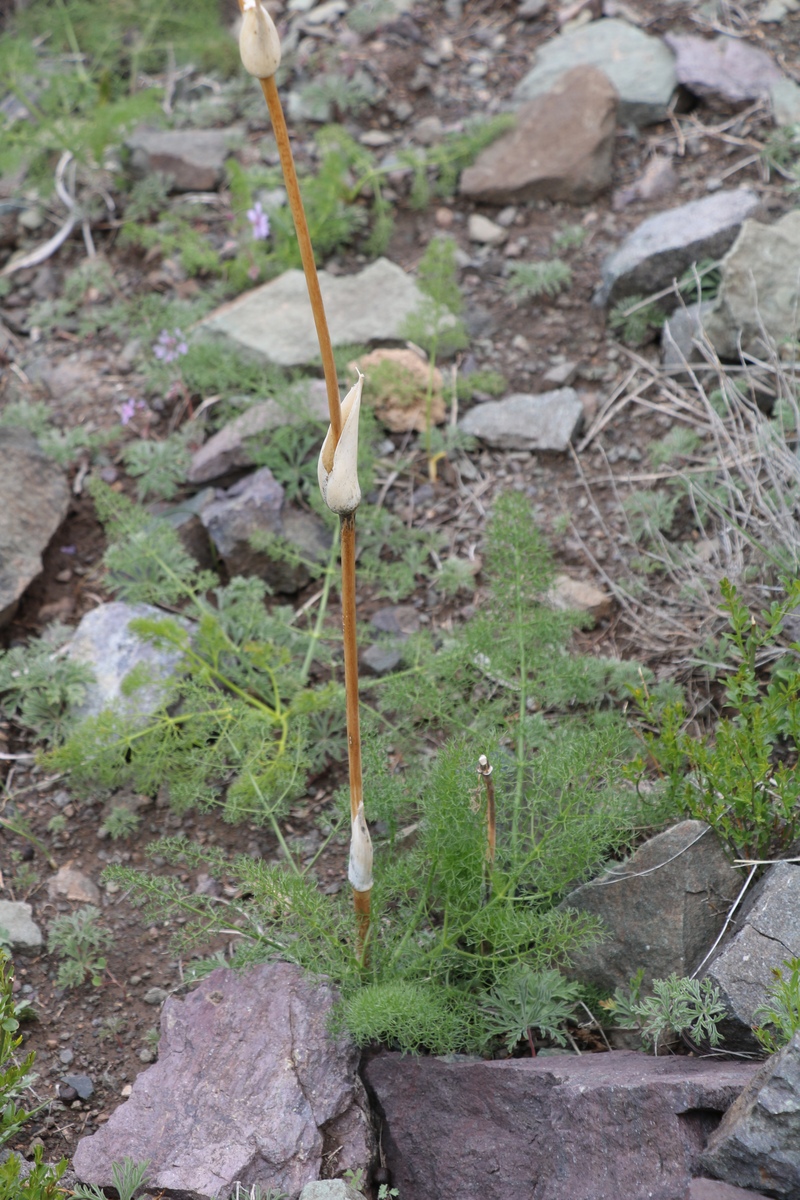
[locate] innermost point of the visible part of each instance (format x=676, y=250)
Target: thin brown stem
x=361, y=900
x=270, y=90
x=485, y=769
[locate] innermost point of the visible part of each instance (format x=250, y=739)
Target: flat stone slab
x=641, y=67
x=594, y=1127
x=662, y=907
x=547, y=421
x=104, y=642
x=194, y=159
x=767, y=933
x=16, y=921
x=723, y=66
x=274, y=321
x=758, y=1141
x=664, y=246
x=713, y=1189
x=559, y=149
x=34, y=498
x=247, y=1085
x=759, y=289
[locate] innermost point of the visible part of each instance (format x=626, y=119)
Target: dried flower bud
x=337, y=470
x=484, y=767
x=359, y=871
x=259, y=44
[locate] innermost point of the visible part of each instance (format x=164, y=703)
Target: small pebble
x=155, y=995
x=66, y=1057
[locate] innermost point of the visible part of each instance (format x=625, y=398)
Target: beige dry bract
x=359, y=871
x=259, y=44
x=337, y=469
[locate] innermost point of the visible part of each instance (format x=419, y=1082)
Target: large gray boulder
x=34, y=498
x=249, y=1086
x=274, y=321
x=760, y=288
x=662, y=907
x=767, y=933
x=757, y=1144
x=594, y=1127
x=559, y=149
x=664, y=246
x=640, y=67
x=104, y=642
x=547, y=421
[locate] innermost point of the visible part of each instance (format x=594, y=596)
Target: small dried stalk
x=485, y=769
x=260, y=50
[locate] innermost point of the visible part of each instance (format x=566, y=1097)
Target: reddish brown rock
x=559, y=149
x=248, y=1086
x=594, y=1127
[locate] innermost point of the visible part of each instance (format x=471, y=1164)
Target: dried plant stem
x=361, y=900
x=485, y=769
x=270, y=90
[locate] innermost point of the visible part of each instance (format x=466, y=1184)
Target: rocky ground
x=687, y=128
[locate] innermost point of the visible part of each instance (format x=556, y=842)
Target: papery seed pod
x=259, y=44
x=359, y=871
x=337, y=469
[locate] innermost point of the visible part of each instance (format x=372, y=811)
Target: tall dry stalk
x=260, y=51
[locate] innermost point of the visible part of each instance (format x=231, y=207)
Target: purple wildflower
x=129, y=408
x=170, y=346
x=259, y=221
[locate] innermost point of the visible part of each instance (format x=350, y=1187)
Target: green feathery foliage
x=40, y=688
x=732, y=780
x=528, y=280
x=778, y=1017
x=446, y=930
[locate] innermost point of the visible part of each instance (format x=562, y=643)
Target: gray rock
x=255, y=504
x=82, y=1084
x=274, y=321
x=775, y=11
x=380, y=659
x=330, y=1189
x=155, y=995
x=72, y=884
x=559, y=149
x=547, y=421
x=194, y=159
x=487, y=233
x=34, y=498
x=758, y=1141
x=399, y=619
x=248, y=1086
x=767, y=933
x=18, y=925
x=104, y=642
x=712, y=1189
x=468, y=1130
x=725, y=66
x=759, y=289
x=785, y=100
x=665, y=920
x=679, y=331
x=227, y=450
x=640, y=67
x=665, y=245
x=185, y=519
